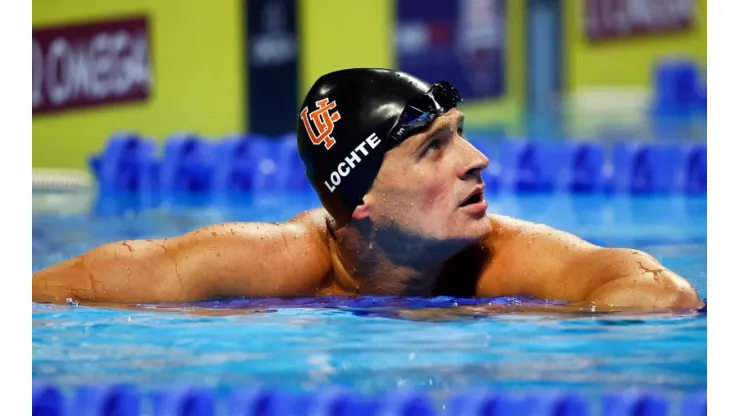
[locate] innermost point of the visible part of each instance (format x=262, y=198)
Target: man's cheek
x=435, y=194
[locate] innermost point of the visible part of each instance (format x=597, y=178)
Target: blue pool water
x=375, y=345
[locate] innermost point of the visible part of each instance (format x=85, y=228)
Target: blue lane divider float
x=259, y=164
x=193, y=165
x=128, y=164
x=188, y=166
x=126, y=400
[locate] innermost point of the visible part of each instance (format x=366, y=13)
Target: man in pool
x=403, y=213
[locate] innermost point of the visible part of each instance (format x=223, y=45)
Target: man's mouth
x=476, y=197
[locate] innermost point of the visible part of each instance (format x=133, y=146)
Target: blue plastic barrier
x=695, y=404
x=631, y=403
x=556, y=403
x=645, y=168
x=97, y=400
x=47, y=401
x=257, y=163
x=177, y=402
x=187, y=166
x=586, y=168
x=692, y=177
x=233, y=172
x=405, y=403
x=292, y=173
x=341, y=402
x=483, y=402
x=128, y=164
x=121, y=400
x=253, y=164
x=533, y=166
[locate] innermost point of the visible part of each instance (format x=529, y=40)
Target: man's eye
x=434, y=145
x=461, y=131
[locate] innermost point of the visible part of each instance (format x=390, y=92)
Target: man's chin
x=480, y=228
x=473, y=230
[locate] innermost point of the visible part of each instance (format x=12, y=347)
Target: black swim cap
x=350, y=118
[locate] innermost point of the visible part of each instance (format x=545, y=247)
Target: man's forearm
x=66, y=280
x=47, y=289
x=116, y=272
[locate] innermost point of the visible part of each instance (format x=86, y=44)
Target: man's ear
x=362, y=211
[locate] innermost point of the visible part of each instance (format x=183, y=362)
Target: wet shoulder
x=313, y=219
x=314, y=226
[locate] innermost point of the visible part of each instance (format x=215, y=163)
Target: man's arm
x=236, y=259
x=536, y=260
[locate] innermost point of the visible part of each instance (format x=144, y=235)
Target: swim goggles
x=422, y=110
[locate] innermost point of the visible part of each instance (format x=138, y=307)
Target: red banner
x=610, y=19
x=90, y=65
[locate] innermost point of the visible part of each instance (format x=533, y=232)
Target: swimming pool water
x=378, y=344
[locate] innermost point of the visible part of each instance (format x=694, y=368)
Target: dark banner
x=613, y=19
x=272, y=66
x=91, y=64
x=458, y=41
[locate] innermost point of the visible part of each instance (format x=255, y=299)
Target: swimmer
x=404, y=213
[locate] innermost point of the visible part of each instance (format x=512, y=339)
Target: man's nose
x=476, y=161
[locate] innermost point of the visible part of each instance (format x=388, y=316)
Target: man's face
x=431, y=186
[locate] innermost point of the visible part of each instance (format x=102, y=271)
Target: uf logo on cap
x=324, y=121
